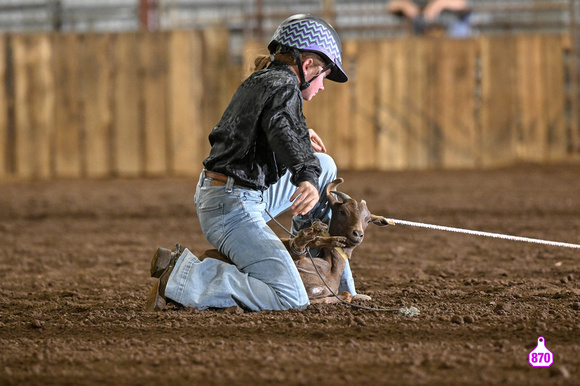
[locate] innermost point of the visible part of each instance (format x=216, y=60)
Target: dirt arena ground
x=74, y=260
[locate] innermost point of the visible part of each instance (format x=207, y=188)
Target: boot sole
x=155, y=302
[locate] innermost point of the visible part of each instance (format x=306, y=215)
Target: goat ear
x=380, y=221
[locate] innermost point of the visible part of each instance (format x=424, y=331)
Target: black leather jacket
x=263, y=132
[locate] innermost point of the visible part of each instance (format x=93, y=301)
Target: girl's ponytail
x=261, y=62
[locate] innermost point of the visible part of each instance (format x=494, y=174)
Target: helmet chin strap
x=303, y=83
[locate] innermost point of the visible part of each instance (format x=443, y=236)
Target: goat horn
x=330, y=189
x=343, y=196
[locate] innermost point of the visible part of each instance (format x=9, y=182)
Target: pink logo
x=541, y=356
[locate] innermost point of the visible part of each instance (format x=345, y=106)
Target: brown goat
x=350, y=219
x=349, y=222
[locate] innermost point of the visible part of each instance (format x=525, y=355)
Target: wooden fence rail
x=142, y=104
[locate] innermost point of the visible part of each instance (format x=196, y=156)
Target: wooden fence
x=419, y=103
x=143, y=104
x=100, y=105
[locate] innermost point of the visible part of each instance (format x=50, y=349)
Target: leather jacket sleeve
x=288, y=135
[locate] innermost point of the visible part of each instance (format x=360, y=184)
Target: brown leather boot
x=157, y=300
x=162, y=258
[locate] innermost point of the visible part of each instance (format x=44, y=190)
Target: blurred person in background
x=429, y=17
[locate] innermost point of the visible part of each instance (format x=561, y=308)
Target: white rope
x=393, y=221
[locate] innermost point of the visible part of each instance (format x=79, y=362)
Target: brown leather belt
x=218, y=179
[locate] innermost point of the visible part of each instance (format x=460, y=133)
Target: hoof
x=346, y=296
x=361, y=297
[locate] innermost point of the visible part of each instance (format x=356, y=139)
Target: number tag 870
x=541, y=356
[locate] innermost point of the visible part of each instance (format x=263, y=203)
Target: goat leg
x=307, y=235
x=310, y=237
x=328, y=242
x=344, y=296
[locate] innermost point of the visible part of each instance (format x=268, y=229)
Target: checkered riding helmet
x=313, y=34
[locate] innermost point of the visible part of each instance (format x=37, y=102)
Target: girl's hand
x=317, y=143
x=304, y=198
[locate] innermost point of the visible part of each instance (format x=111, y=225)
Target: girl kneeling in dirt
x=262, y=158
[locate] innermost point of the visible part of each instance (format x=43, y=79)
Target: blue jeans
x=233, y=219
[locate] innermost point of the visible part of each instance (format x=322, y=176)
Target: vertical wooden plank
x=153, y=48
x=187, y=132
x=364, y=118
x=442, y=95
x=433, y=111
x=464, y=125
x=498, y=101
x=417, y=106
x=455, y=99
x=43, y=106
x=24, y=130
x=127, y=136
x=385, y=114
x=34, y=105
x=557, y=142
x=392, y=109
x=215, y=43
x=343, y=130
x=216, y=59
x=67, y=157
x=96, y=88
x=4, y=138
x=530, y=76
x=442, y=99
